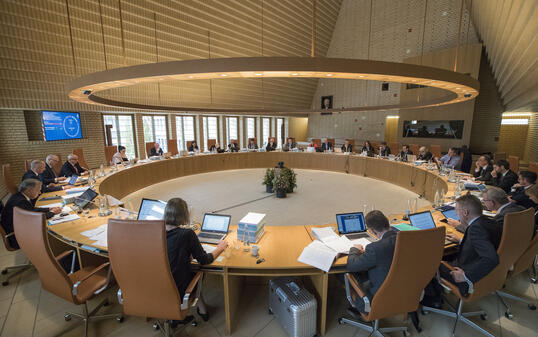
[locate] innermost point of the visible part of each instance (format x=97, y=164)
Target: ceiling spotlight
x=258, y=74
x=294, y=74
x=361, y=76
x=223, y=75
x=329, y=74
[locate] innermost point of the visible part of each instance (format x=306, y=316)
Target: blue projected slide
x=350, y=223
x=61, y=125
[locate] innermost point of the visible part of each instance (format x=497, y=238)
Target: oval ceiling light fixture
x=278, y=67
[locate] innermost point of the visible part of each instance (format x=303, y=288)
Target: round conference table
x=280, y=246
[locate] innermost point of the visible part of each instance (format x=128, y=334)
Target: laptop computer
x=451, y=213
x=352, y=225
x=85, y=198
x=424, y=220
x=214, y=228
x=151, y=209
x=72, y=180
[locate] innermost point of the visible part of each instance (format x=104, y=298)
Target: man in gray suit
x=496, y=199
x=372, y=264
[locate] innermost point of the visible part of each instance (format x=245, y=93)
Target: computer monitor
x=451, y=214
x=350, y=222
x=218, y=223
x=151, y=209
x=422, y=220
x=85, y=198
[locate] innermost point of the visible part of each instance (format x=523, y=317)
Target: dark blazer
x=18, y=200
x=217, y=149
x=506, y=182
x=427, y=156
x=499, y=219
x=287, y=146
x=48, y=176
x=253, y=146
x=404, y=155
x=477, y=255
x=521, y=198
x=348, y=149
x=369, y=150
x=154, y=152
x=327, y=146
x=376, y=260
x=535, y=221
x=44, y=188
x=385, y=152
x=68, y=170
x=270, y=147
x=190, y=149
x=233, y=147
x=484, y=174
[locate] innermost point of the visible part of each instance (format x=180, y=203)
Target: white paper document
x=72, y=191
x=99, y=235
x=71, y=196
x=59, y=219
x=56, y=204
x=340, y=244
x=208, y=248
x=316, y=254
x=362, y=241
x=92, y=232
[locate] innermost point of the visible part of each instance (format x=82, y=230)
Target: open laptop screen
x=151, y=209
x=85, y=198
x=216, y=223
x=422, y=220
x=350, y=222
x=451, y=214
x=73, y=180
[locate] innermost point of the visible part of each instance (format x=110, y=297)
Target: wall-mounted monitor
x=433, y=129
x=59, y=125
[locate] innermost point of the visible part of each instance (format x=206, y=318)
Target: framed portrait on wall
x=327, y=102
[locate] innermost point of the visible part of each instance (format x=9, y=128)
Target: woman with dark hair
x=183, y=245
x=368, y=149
x=119, y=156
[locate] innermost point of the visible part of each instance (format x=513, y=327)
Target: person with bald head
x=424, y=154
x=72, y=168
x=49, y=176
x=37, y=168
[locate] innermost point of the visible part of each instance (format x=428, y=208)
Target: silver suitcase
x=294, y=307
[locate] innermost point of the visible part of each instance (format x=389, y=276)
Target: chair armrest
x=351, y=282
x=10, y=234
x=355, y=285
x=73, y=259
x=195, y=280
x=447, y=265
x=93, y=272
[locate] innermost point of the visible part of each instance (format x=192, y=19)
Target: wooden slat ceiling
x=47, y=43
x=509, y=30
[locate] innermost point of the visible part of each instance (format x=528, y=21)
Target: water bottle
x=436, y=199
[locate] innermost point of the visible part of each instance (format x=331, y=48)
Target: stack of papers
x=340, y=244
x=318, y=255
x=56, y=204
x=76, y=190
x=99, y=235
x=59, y=219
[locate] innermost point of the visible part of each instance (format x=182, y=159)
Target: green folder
x=405, y=227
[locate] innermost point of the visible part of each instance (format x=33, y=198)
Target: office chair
x=77, y=287
x=416, y=258
x=81, y=160
x=517, y=232
x=8, y=179
x=138, y=254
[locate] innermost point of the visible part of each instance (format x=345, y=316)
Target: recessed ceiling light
x=329, y=74
x=294, y=74
x=258, y=74
x=361, y=76
x=223, y=75
x=190, y=76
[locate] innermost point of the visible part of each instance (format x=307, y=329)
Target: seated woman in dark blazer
x=368, y=149
x=183, y=245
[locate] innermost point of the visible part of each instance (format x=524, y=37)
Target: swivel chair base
x=373, y=329
x=507, y=313
x=87, y=317
x=20, y=268
x=460, y=316
x=168, y=330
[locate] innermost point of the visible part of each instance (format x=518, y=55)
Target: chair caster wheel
x=340, y=321
x=194, y=323
x=533, y=280
x=120, y=319
x=484, y=317
x=532, y=307
x=155, y=326
x=508, y=315
x=67, y=317
x=4, y=271
x=270, y=311
x=5, y=283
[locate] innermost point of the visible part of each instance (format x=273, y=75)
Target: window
x=122, y=132
x=231, y=129
x=210, y=130
x=185, y=131
x=251, y=127
x=279, y=133
x=266, y=130
x=155, y=130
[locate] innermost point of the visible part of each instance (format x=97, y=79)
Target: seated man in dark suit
x=193, y=147
x=517, y=194
x=502, y=176
x=384, y=150
x=233, y=147
x=373, y=262
x=271, y=146
x=424, y=154
x=156, y=150
x=477, y=253
x=37, y=167
x=49, y=176
x=532, y=192
x=29, y=190
x=347, y=147
x=71, y=167
x=326, y=145
x=405, y=152
x=290, y=145
x=216, y=148
x=252, y=145
x=495, y=199
x=483, y=169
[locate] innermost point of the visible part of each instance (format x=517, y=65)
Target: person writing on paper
x=49, y=176
x=183, y=245
x=37, y=167
x=72, y=168
x=29, y=190
x=120, y=156
x=373, y=262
